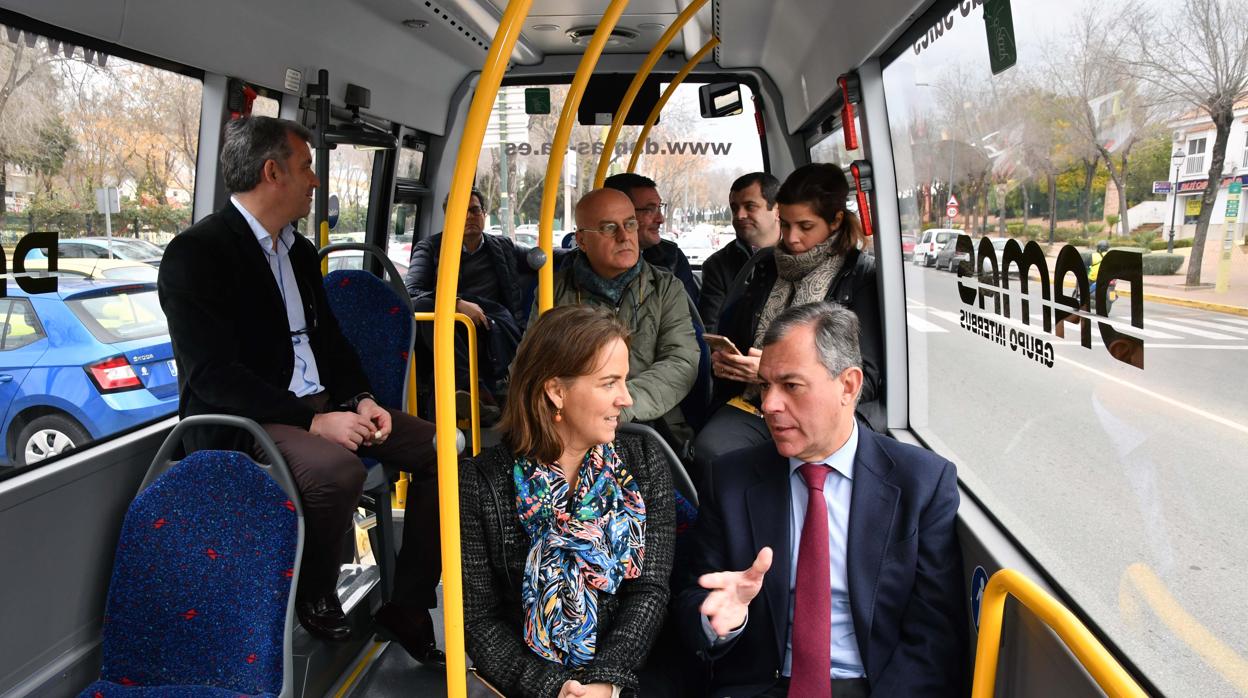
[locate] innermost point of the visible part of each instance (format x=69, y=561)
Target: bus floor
x=386, y=669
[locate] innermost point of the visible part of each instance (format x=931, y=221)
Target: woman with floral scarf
x=820, y=257
x=567, y=530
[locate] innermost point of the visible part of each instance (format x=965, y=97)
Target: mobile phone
x=718, y=342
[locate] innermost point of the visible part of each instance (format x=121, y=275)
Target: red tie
x=812, y=610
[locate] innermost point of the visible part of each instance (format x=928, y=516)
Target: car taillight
x=115, y=374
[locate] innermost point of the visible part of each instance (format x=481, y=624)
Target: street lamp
x=1178, y=157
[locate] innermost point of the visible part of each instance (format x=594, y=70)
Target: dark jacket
x=718, y=272
x=854, y=287
x=230, y=335
x=668, y=255
x=495, y=546
x=903, y=560
x=509, y=264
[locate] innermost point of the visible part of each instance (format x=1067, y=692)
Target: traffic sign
x=951, y=207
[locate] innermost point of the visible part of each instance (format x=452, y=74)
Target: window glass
x=411, y=163
x=831, y=148
x=121, y=315
x=22, y=327
x=1106, y=446
x=75, y=121
x=693, y=161
x=403, y=218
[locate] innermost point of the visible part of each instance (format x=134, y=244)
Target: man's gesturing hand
x=731, y=593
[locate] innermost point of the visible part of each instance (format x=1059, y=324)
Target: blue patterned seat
x=199, y=600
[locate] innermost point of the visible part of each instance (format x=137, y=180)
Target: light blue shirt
x=305, y=379
x=844, y=662
x=838, y=488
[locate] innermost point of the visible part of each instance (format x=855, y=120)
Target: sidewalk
x=1172, y=290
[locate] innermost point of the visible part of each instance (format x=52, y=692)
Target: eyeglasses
x=611, y=229
x=476, y=211
x=654, y=208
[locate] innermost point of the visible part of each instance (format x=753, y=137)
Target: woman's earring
x=558, y=414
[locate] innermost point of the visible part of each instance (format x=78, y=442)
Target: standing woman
x=567, y=530
x=818, y=258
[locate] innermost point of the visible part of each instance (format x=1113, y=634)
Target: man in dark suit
x=833, y=524
x=253, y=336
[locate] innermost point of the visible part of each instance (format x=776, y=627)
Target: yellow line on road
x=1211, y=649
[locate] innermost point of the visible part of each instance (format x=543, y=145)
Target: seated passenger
x=756, y=220
x=644, y=194
x=253, y=336
x=877, y=585
x=567, y=530
x=606, y=270
x=490, y=294
x=816, y=259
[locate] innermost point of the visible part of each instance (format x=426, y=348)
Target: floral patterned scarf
x=579, y=548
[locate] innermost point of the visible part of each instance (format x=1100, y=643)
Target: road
x=1129, y=485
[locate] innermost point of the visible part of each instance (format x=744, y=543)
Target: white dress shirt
x=305, y=379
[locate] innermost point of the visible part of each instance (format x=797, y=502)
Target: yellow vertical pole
x=322, y=241
x=667, y=94
x=634, y=87
x=559, y=149
x=444, y=337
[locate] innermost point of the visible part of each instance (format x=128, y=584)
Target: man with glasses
x=490, y=294
x=607, y=269
x=651, y=210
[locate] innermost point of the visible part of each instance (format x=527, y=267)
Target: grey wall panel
x=59, y=528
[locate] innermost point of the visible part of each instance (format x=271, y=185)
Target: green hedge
x=1178, y=244
x=1162, y=263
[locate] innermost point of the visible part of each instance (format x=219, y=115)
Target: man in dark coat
x=650, y=209
x=491, y=294
x=756, y=220
x=253, y=336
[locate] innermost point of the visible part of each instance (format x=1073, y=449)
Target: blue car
x=85, y=362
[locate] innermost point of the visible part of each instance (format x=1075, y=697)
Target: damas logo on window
x=994, y=289
x=45, y=243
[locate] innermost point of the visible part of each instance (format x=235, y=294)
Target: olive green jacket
x=663, y=351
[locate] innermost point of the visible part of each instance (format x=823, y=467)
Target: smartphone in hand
x=718, y=342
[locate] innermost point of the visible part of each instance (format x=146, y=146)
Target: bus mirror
x=720, y=99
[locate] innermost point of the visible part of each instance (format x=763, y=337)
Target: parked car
x=931, y=242
x=87, y=361
x=83, y=268
x=697, y=246
x=907, y=245
x=131, y=249
x=526, y=240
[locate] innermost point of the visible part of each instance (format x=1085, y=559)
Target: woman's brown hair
x=823, y=187
x=563, y=343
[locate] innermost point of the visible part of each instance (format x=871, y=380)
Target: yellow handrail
x=1105, y=670
x=634, y=87
x=472, y=374
x=667, y=94
x=559, y=149
x=444, y=337
x=322, y=241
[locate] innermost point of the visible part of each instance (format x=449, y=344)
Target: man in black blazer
x=879, y=597
x=253, y=336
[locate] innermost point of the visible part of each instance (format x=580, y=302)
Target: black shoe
x=323, y=617
x=413, y=631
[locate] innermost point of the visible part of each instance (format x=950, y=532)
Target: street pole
x=1178, y=157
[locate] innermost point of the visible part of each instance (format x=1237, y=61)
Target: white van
x=933, y=239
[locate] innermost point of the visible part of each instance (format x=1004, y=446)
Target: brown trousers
x=330, y=479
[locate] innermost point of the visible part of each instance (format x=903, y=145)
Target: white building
x=1194, y=135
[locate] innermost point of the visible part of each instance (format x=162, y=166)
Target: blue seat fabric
x=200, y=584
x=377, y=324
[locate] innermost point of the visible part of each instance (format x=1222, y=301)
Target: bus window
x=350, y=179
x=831, y=148
x=1105, y=444
x=693, y=161
x=76, y=120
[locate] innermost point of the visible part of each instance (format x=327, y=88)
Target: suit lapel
x=768, y=502
x=872, y=510
x=255, y=267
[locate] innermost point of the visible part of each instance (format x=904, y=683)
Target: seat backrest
x=202, y=579
x=378, y=324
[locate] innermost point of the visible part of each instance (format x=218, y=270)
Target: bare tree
x=27, y=99
x=1195, y=55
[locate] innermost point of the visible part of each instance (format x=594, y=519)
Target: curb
x=1182, y=302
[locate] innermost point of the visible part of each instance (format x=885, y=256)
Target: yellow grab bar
x=634, y=87
x=1108, y=673
x=472, y=373
x=559, y=149
x=667, y=94
x=322, y=239
x=444, y=337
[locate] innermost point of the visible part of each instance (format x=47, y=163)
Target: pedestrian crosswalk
x=1177, y=326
